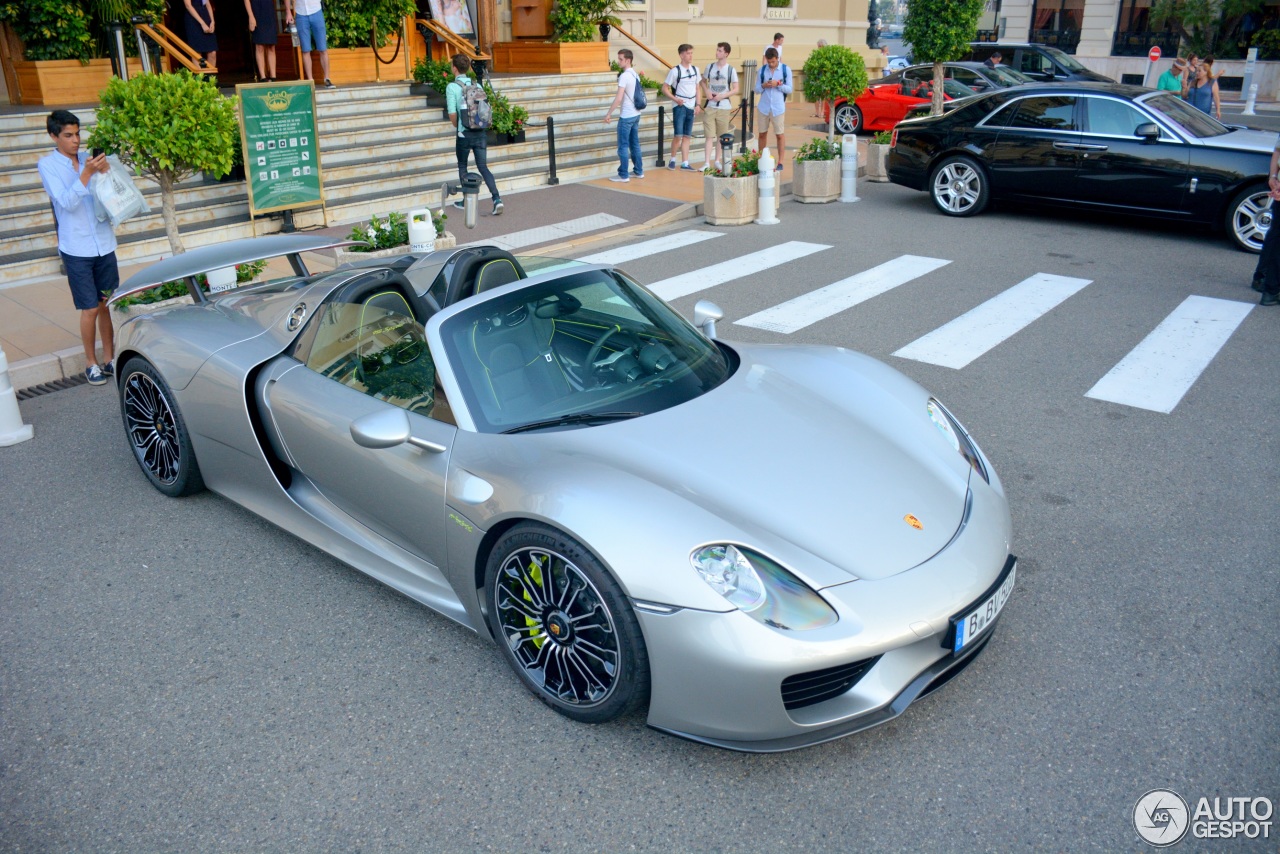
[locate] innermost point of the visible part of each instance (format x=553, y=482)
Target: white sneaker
x=619, y=179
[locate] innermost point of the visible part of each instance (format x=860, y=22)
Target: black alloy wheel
x=565, y=626
x=156, y=432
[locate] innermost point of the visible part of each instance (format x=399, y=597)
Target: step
x=31, y=201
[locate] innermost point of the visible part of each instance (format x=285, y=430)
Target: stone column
x=1099, y=27
x=1017, y=17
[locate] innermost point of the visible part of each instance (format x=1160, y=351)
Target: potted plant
x=833, y=72
x=175, y=293
x=431, y=77
x=731, y=196
x=816, y=175
x=382, y=237
x=878, y=157
x=575, y=20
x=508, y=119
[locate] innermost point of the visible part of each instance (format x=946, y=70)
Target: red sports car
x=887, y=102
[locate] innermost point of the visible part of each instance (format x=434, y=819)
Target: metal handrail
x=644, y=47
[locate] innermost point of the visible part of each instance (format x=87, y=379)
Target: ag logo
x=1160, y=817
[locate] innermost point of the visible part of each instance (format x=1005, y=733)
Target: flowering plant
x=383, y=233
x=746, y=163
x=246, y=272
x=508, y=118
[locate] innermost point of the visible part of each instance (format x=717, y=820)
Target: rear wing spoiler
x=188, y=265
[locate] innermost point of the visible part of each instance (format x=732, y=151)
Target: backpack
x=638, y=99
x=477, y=114
x=786, y=76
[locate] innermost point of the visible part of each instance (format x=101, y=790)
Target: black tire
x=565, y=626
x=1249, y=218
x=156, y=432
x=848, y=118
x=959, y=186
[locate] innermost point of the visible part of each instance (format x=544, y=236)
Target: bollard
x=849, y=168
x=12, y=430
x=470, y=198
x=551, y=150
x=726, y=153
x=768, y=189
x=1253, y=100
x=662, y=124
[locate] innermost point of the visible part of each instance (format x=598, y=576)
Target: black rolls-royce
x=1092, y=146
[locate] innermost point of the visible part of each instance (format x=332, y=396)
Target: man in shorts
x=312, y=37
x=681, y=86
x=87, y=246
x=773, y=84
x=719, y=86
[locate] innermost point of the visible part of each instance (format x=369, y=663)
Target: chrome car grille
x=808, y=689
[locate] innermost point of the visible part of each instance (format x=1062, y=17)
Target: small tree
x=940, y=31
x=168, y=126
x=1202, y=24
x=833, y=72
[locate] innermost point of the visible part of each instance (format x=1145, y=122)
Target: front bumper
x=717, y=677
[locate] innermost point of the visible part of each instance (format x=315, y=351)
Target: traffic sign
x=1154, y=53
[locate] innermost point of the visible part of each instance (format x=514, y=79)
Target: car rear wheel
x=1249, y=218
x=565, y=626
x=156, y=432
x=848, y=118
x=959, y=187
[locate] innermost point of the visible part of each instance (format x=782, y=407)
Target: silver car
x=763, y=547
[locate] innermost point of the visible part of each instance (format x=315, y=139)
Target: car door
x=968, y=77
x=1036, y=150
x=1119, y=169
x=360, y=358
x=1035, y=65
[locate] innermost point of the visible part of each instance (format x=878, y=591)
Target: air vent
x=808, y=689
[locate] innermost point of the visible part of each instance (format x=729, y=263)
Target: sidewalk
x=40, y=328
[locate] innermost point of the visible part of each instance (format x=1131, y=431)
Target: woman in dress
x=1202, y=91
x=200, y=30
x=262, y=27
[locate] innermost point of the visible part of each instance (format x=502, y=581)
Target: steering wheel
x=630, y=368
x=598, y=345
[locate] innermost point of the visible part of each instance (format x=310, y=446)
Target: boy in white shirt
x=681, y=86
x=719, y=86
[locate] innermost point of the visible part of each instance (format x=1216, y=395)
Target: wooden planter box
x=359, y=65
x=550, y=57
x=53, y=82
x=730, y=201
x=878, y=163
x=816, y=181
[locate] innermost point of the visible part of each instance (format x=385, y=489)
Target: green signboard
x=281, y=151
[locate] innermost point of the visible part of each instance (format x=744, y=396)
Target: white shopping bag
x=114, y=195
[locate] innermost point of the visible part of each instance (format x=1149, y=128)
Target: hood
x=819, y=449
x=1093, y=76
x=1243, y=139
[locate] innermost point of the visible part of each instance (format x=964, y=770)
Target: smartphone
x=97, y=152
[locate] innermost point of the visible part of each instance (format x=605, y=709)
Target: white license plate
x=977, y=621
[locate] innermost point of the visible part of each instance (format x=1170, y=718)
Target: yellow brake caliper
x=535, y=572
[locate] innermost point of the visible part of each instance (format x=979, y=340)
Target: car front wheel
x=157, y=434
x=959, y=187
x=565, y=626
x=848, y=118
x=1249, y=218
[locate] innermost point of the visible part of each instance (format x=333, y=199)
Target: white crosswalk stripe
x=555, y=231
x=1162, y=368
x=979, y=330
x=807, y=309
x=645, y=248
x=735, y=268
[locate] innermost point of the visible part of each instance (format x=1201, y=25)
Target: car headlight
x=761, y=588
x=957, y=437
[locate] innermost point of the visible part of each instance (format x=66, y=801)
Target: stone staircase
x=381, y=149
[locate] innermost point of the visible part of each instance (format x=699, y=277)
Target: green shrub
x=645, y=82
x=244, y=273
x=746, y=163
x=834, y=72
x=436, y=73
x=349, y=23
x=507, y=117
x=578, y=20
x=50, y=29
x=882, y=137
x=818, y=149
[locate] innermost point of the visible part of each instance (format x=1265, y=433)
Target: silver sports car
x=764, y=547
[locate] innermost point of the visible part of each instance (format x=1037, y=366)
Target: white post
x=12, y=430
x=849, y=168
x=768, y=189
x=1253, y=99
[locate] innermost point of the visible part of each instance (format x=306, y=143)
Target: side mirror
x=384, y=429
x=705, y=315
x=1147, y=131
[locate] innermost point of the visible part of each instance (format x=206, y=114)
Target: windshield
x=1065, y=60
x=955, y=89
x=1003, y=76
x=587, y=344
x=1199, y=124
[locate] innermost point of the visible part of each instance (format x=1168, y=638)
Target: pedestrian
x=1202, y=92
x=681, y=86
x=994, y=59
x=776, y=44
x=263, y=33
x=1266, y=277
x=87, y=245
x=628, y=119
x=470, y=140
x=1193, y=62
x=773, y=85
x=1172, y=80
x=200, y=34
x=312, y=36
x=719, y=86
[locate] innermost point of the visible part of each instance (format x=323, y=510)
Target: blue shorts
x=312, y=27
x=92, y=279
x=681, y=120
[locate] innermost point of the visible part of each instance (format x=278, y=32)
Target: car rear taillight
x=893, y=142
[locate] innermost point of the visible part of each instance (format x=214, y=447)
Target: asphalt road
x=179, y=675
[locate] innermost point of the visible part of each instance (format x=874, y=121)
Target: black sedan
x=1090, y=146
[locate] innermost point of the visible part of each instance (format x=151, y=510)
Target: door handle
x=1089, y=147
x=1066, y=146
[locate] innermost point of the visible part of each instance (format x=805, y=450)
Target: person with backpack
x=773, y=85
x=629, y=101
x=719, y=86
x=681, y=86
x=469, y=111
